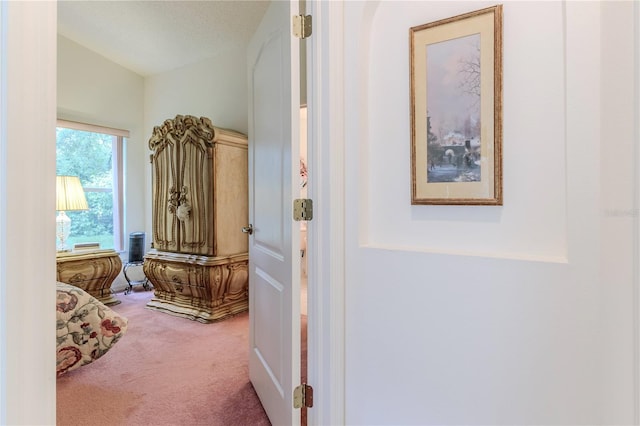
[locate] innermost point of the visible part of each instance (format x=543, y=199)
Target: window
x=95, y=155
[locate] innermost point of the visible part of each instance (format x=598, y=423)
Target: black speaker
x=136, y=247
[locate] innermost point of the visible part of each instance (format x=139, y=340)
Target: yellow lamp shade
x=69, y=194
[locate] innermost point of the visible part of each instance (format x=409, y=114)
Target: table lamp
x=69, y=197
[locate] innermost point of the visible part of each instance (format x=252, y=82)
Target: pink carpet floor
x=165, y=371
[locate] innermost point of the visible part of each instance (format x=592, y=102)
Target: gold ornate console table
x=91, y=270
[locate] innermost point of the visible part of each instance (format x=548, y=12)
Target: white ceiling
x=150, y=37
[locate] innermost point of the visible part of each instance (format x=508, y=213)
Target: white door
x=274, y=246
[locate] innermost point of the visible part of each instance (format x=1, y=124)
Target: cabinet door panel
x=165, y=195
x=196, y=201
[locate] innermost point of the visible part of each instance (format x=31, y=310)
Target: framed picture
x=456, y=109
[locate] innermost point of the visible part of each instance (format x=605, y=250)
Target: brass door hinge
x=302, y=209
x=303, y=396
x=302, y=26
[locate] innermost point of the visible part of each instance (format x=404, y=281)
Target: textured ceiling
x=150, y=37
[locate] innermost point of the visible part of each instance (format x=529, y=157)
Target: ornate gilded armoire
x=198, y=262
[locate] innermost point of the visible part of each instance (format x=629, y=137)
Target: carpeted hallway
x=165, y=371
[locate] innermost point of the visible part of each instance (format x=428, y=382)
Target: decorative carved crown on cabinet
x=198, y=263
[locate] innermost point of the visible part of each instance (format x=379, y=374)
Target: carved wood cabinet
x=198, y=263
x=93, y=271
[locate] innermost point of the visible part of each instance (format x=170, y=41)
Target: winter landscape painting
x=453, y=110
x=456, y=109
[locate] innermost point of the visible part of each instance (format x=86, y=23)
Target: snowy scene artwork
x=456, y=109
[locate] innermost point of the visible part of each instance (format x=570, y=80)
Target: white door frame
x=636, y=278
x=27, y=209
x=325, y=233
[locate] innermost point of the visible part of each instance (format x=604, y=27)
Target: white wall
x=215, y=88
x=95, y=90
x=494, y=315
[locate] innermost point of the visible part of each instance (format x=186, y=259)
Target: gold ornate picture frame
x=456, y=109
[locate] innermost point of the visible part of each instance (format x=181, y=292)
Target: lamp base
x=63, y=229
